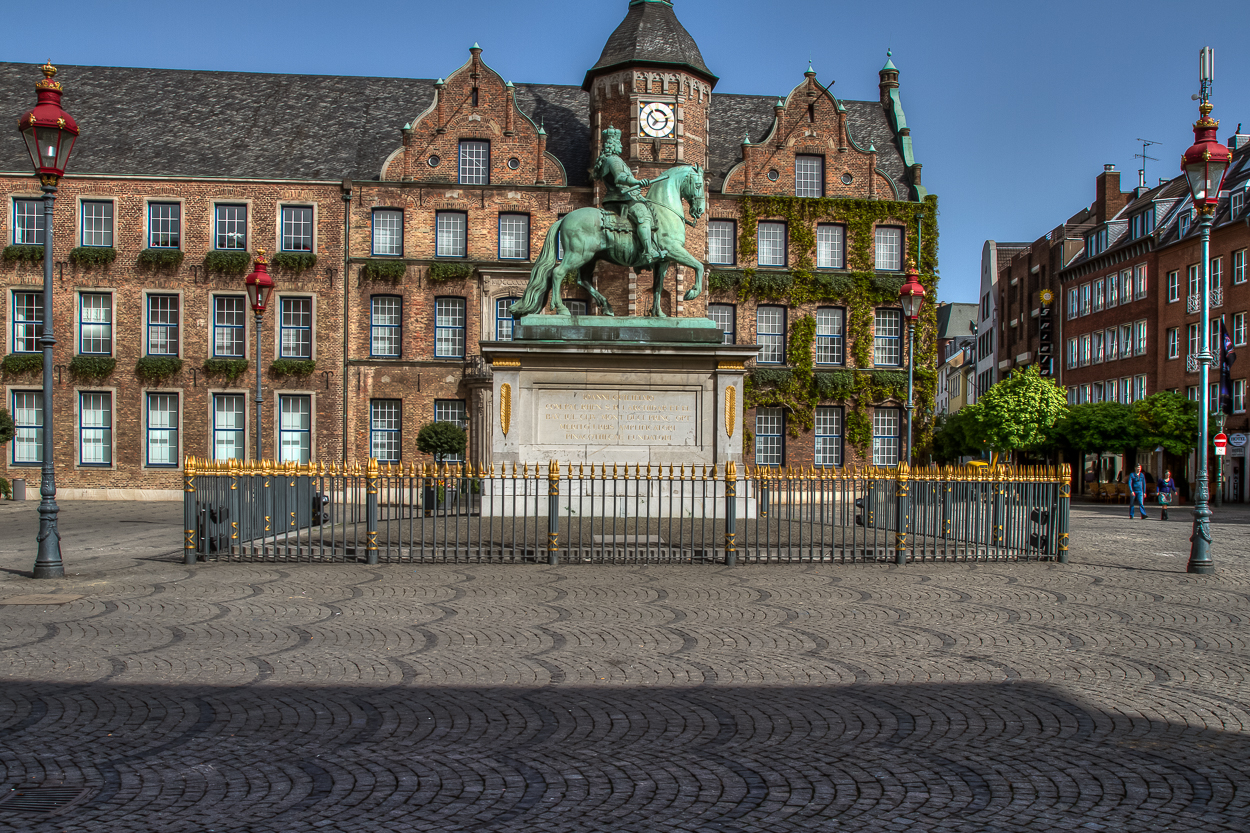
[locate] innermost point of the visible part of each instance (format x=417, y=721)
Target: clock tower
x=652, y=85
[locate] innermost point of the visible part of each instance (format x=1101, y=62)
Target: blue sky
x=1014, y=107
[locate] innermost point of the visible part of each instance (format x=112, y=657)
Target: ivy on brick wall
x=161, y=258
x=227, y=263
x=293, y=367
x=19, y=363
x=23, y=254
x=439, y=272
x=384, y=270
x=294, y=261
x=231, y=369
x=157, y=368
x=92, y=367
x=93, y=255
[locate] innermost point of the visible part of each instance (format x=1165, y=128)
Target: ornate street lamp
x=1204, y=165
x=50, y=133
x=911, y=296
x=259, y=288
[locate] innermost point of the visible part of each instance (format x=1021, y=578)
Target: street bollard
x=188, y=510
x=371, y=510
x=553, y=513
x=731, y=513
x=1065, y=504
x=902, y=515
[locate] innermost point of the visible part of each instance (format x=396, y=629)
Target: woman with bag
x=1167, y=494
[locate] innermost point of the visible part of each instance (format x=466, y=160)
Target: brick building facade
x=403, y=216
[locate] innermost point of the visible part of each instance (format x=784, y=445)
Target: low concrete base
x=32, y=493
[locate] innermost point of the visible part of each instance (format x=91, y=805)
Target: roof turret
x=651, y=35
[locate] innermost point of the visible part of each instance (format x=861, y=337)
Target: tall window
x=1113, y=292
x=1111, y=390
x=474, y=162
x=294, y=429
x=1086, y=348
x=1139, y=384
x=27, y=427
x=1074, y=305
x=829, y=436
x=1126, y=340
x=97, y=223
x=771, y=244
x=503, y=318
x=1085, y=299
x=809, y=176
x=449, y=327
x=230, y=227
x=1141, y=338
x=1239, y=266
x=1073, y=352
x=1194, y=279
x=27, y=321
x=770, y=333
x=453, y=411
x=724, y=315
x=450, y=234
x=514, y=237
x=385, y=317
x=769, y=423
x=830, y=336
x=228, y=326
x=95, y=429
x=1139, y=273
x=1217, y=272
x=1174, y=343
x=27, y=223
x=721, y=242
x=1236, y=201
x=297, y=228
x=830, y=248
x=885, y=422
x=1126, y=286
x=1174, y=286
x=162, y=429
x=1099, y=294
x=1097, y=354
x=95, y=323
x=889, y=248
x=887, y=341
x=164, y=225
x=1239, y=329
x=295, y=324
x=228, y=425
x=1111, y=345
x=1194, y=339
x=388, y=232
x=384, y=430
x=162, y=325
x=1239, y=396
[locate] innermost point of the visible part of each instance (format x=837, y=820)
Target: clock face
x=657, y=119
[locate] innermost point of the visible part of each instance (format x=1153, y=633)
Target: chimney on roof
x=1109, y=199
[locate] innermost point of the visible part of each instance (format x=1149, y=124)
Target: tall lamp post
x=259, y=288
x=911, y=295
x=50, y=133
x=1204, y=165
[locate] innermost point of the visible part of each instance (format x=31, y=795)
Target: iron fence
x=384, y=513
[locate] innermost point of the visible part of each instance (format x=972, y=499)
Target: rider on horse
x=623, y=194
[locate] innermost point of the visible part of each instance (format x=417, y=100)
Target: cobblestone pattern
x=1110, y=693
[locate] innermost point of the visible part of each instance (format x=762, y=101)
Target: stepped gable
x=650, y=35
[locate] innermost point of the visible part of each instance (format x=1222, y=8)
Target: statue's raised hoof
x=691, y=294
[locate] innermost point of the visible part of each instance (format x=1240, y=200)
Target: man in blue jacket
x=1137, y=492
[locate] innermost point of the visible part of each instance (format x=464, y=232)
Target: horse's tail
x=540, y=276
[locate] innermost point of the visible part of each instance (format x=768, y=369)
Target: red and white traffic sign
x=1221, y=444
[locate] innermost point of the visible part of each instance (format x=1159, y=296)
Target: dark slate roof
x=564, y=112
x=650, y=34
x=953, y=319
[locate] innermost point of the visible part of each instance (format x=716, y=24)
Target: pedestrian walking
x=1137, y=493
x=1167, y=494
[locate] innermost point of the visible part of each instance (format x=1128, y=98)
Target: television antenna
x=1141, y=172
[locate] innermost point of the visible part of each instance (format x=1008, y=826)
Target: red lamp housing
x=259, y=284
x=911, y=295
x=49, y=131
x=1206, y=161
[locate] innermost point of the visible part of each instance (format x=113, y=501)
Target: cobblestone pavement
x=1110, y=693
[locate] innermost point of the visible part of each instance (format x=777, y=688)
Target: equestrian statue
x=641, y=232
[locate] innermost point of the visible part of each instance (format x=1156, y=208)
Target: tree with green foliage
x=441, y=439
x=958, y=435
x=6, y=427
x=1098, y=427
x=1168, y=420
x=1019, y=413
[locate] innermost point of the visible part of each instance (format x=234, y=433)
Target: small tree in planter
x=439, y=439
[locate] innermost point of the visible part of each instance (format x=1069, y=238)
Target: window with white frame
x=1096, y=242
x=770, y=334
x=453, y=411
x=726, y=316
x=385, y=425
x=721, y=242
x=769, y=424
x=514, y=237
x=297, y=228
x=1195, y=339
x=1174, y=286
x=885, y=424
x=295, y=325
x=1217, y=272
x=163, y=325
x=385, y=321
x=1113, y=291
x=887, y=338
x=1126, y=286
x=1097, y=347
x=27, y=427
x=97, y=223
x=1099, y=294
x=162, y=429
x=1072, y=395
x=576, y=306
x=1239, y=396
x=1174, y=343
x=27, y=321
x=474, y=162
x=1126, y=390
x=1073, y=352
x=1139, y=386
x=771, y=244
x=503, y=318
x=1239, y=329
x=889, y=248
x=1239, y=266
x=95, y=323
x=228, y=426
x=450, y=234
x=1139, y=273
x=1183, y=224
x=1111, y=345
x=1111, y=390
x=230, y=227
x=449, y=328
x=1213, y=398
x=830, y=335
x=1085, y=299
x=1085, y=349
x=1074, y=303
x=229, y=324
x=388, y=232
x=1195, y=280
x=809, y=176
x=27, y=223
x=830, y=246
x=1236, y=200
x=95, y=429
x=1095, y=392
x=1126, y=340
x=294, y=428
x=1141, y=338
x=829, y=436
x=164, y=225
x=1191, y=393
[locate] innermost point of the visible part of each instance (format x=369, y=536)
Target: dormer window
x=474, y=162
x=1236, y=202
x=1142, y=224
x=1184, y=223
x=1096, y=243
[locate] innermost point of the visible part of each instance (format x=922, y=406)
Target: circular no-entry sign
x=1221, y=443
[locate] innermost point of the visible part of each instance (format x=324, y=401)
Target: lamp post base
x=1200, y=542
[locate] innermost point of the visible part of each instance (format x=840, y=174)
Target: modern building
x=403, y=217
